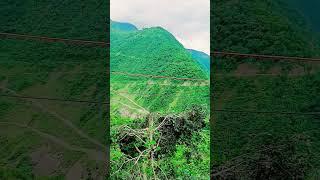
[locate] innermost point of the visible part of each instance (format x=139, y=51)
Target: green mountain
x=154, y=51
x=202, y=59
x=152, y=74
x=248, y=145
x=267, y=28
x=164, y=55
x=122, y=26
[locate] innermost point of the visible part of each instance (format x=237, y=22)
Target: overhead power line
x=217, y=110
x=89, y=73
x=50, y=39
x=59, y=62
x=106, y=44
x=265, y=112
x=263, y=57
x=53, y=99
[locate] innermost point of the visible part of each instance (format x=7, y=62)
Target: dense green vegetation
x=141, y=104
x=263, y=145
x=152, y=51
x=202, y=58
x=65, y=19
x=56, y=71
x=52, y=139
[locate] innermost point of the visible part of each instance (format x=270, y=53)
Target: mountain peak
x=153, y=51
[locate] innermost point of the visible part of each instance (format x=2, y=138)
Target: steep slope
x=35, y=133
x=264, y=145
x=154, y=51
x=120, y=26
x=58, y=71
x=164, y=55
x=202, y=58
x=261, y=27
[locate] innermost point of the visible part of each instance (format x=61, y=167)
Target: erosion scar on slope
x=131, y=101
x=48, y=136
x=66, y=121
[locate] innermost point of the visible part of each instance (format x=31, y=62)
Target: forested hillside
x=52, y=137
x=153, y=51
x=155, y=84
x=248, y=145
x=65, y=19
x=202, y=59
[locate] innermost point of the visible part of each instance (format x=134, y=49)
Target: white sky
x=187, y=20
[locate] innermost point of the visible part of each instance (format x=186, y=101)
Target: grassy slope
x=51, y=70
x=155, y=51
x=266, y=28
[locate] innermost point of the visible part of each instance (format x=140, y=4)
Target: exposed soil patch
x=186, y=83
x=44, y=163
x=76, y=172
x=98, y=156
x=246, y=69
x=276, y=70
x=83, y=170
x=297, y=71
x=125, y=112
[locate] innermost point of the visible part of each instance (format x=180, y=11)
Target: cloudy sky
x=187, y=20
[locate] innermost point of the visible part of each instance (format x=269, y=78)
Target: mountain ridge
x=122, y=26
x=164, y=55
x=160, y=40
x=202, y=58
